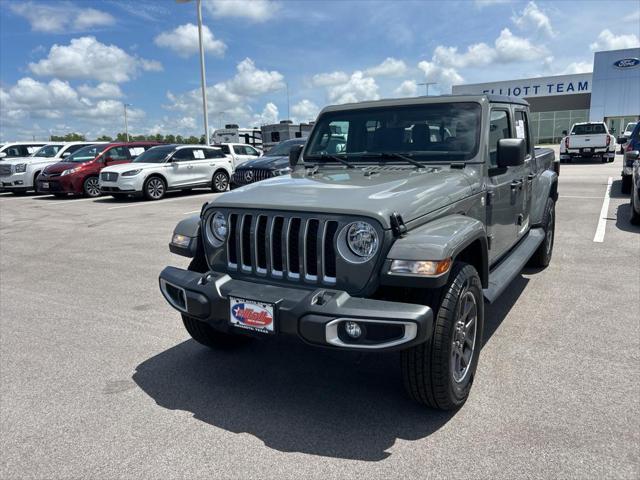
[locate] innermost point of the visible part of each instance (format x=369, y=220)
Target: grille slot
x=5, y=170
x=295, y=248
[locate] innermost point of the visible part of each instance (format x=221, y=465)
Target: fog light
x=353, y=329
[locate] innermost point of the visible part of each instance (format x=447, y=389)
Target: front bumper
x=15, y=181
x=587, y=152
x=316, y=316
x=123, y=185
x=60, y=184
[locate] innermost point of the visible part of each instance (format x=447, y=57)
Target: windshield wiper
x=325, y=156
x=399, y=156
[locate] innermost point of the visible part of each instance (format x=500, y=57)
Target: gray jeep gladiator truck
x=400, y=218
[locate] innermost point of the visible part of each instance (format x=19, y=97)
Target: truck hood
x=410, y=192
x=265, y=162
x=28, y=160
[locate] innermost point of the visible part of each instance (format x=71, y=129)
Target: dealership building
x=611, y=93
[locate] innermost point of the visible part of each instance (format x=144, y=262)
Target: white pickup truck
x=239, y=152
x=588, y=140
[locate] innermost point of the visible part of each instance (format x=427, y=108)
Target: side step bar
x=506, y=271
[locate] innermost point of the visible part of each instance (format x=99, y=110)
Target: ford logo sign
x=627, y=63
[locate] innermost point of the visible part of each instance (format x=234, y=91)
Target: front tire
x=626, y=184
x=439, y=373
x=202, y=332
x=220, y=182
x=91, y=187
x=542, y=256
x=154, y=188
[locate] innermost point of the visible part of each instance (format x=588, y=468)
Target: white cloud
x=102, y=90
x=269, y=115
x=608, y=41
x=508, y=48
x=61, y=17
x=444, y=77
x=183, y=40
x=490, y=3
x=408, y=88
x=86, y=57
x=389, y=67
x=304, y=110
x=577, y=67
x=254, y=10
x=328, y=79
x=532, y=18
x=232, y=96
x=251, y=81
x=357, y=89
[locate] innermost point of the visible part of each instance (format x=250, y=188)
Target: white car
x=588, y=140
x=624, y=138
x=19, y=175
x=168, y=167
x=19, y=149
x=239, y=152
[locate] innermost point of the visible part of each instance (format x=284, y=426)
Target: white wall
x=616, y=91
x=532, y=87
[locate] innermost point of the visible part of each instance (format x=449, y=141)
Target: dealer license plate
x=587, y=150
x=44, y=185
x=252, y=315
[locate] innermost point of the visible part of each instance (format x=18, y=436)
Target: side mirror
x=632, y=155
x=294, y=155
x=3, y=154
x=108, y=160
x=622, y=140
x=511, y=152
x=66, y=154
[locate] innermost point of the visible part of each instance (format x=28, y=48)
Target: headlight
x=131, y=173
x=69, y=171
x=219, y=226
x=362, y=240
x=282, y=171
x=21, y=168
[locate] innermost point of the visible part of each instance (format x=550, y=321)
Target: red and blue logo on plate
x=252, y=314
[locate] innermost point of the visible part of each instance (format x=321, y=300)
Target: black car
x=272, y=164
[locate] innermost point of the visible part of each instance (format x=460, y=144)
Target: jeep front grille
x=291, y=248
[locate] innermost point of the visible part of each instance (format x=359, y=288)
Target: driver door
x=179, y=171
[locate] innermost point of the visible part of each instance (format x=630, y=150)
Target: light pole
x=202, y=70
x=426, y=86
x=126, y=123
x=288, y=116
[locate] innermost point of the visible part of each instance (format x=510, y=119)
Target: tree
x=159, y=137
x=104, y=138
x=69, y=137
x=170, y=139
x=192, y=140
x=121, y=137
x=179, y=139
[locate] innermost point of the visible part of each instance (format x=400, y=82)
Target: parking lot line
x=70, y=201
x=602, y=222
x=580, y=196
x=189, y=213
x=143, y=204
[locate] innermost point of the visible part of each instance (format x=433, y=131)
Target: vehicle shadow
x=616, y=190
x=623, y=219
x=140, y=198
x=296, y=398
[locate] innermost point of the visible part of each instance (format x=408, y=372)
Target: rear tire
x=542, y=256
x=626, y=184
x=154, y=188
x=91, y=187
x=439, y=373
x=220, y=182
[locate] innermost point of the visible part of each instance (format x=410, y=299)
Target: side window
x=117, y=153
x=198, y=154
x=225, y=149
x=238, y=150
x=135, y=151
x=14, y=152
x=499, y=128
x=73, y=148
x=213, y=153
x=275, y=136
x=251, y=151
x=183, y=155
x=522, y=128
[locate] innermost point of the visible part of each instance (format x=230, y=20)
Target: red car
x=78, y=173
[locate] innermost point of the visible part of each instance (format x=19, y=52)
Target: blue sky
x=69, y=65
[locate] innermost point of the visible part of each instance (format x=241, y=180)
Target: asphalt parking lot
x=100, y=380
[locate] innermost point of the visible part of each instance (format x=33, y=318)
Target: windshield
x=630, y=128
x=48, y=151
x=283, y=149
x=154, y=155
x=588, y=128
x=429, y=132
x=85, y=154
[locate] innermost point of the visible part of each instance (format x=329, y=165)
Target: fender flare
x=446, y=237
x=547, y=187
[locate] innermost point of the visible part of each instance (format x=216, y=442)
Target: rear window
x=587, y=129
